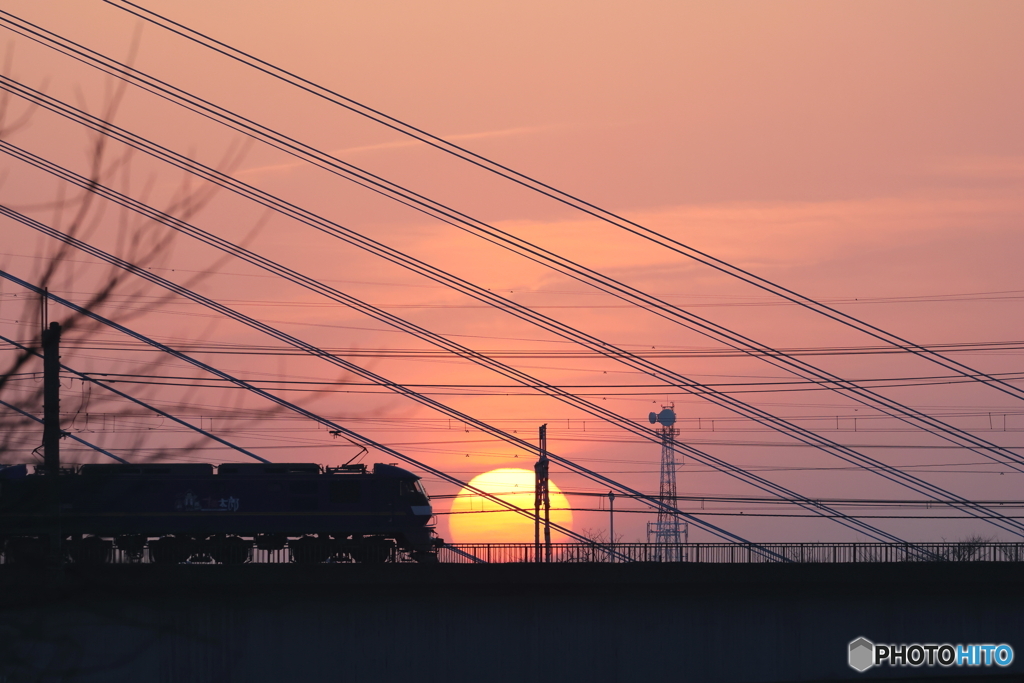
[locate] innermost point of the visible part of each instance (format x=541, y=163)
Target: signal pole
x=542, y=499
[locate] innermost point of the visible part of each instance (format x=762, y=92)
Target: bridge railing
x=733, y=553
x=704, y=553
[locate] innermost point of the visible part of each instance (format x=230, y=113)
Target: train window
x=410, y=491
x=346, y=492
x=303, y=488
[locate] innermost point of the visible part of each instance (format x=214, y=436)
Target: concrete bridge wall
x=499, y=623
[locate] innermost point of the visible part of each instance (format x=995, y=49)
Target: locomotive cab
x=410, y=489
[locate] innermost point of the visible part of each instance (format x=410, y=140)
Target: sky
x=869, y=155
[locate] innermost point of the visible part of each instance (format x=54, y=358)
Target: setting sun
x=475, y=519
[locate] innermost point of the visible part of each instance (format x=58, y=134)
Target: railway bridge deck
x=560, y=621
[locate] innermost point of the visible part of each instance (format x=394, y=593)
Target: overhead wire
x=375, y=183
x=502, y=389
x=102, y=383
x=483, y=426
x=352, y=237
x=182, y=226
x=738, y=342
x=365, y=441
x=560, y=196
x=73, y=437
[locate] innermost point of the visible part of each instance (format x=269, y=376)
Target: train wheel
x=373, y=550
x=131, y=546
x=271, y=542
x=230, y=550
x=171, y=550
x=312, y=550
x=91, y=550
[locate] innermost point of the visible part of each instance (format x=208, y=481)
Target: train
x=197, y=512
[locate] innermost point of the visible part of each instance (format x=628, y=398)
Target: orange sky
x=850, y=151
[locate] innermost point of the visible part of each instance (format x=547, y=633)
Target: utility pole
x=51, y=399
x=542, y=499
x=611, y=517
x=611, y=524
x=51, y=435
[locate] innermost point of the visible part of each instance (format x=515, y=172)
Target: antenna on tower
x=668, y=532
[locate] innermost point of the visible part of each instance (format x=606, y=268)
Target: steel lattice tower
x=668, y=529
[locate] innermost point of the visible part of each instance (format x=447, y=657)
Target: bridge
x=591, y=612
x=716, y=621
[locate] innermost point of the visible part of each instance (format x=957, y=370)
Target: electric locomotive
x=199, y=513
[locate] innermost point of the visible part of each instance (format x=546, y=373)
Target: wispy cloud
x=404, y=143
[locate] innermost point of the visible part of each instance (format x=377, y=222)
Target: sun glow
x=476, y=519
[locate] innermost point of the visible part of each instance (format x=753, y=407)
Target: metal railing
x=694, y=553
x=737, y=553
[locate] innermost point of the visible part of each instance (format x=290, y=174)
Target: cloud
x=403, y=143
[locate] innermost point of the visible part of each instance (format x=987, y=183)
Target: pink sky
x=866, y=151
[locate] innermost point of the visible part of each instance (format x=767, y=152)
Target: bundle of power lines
x=722, y=396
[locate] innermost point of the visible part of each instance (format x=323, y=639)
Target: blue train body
x=185, y=511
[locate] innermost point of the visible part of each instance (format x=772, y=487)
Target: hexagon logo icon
x=862, y=654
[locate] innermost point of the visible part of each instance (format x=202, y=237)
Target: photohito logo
x=863, y=654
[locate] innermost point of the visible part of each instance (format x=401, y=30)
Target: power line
x=616, y=288
x=721, y=533
x=316, y=418
x=791, y=428
x=703, y=513
x=438, y=275
x=287, y=385
x=724, y=301
x=73, y=437
x=314, y=285
x=534, y=354
x=154, y=409
x=173, y=222
x=610, y=285
x=551, y=192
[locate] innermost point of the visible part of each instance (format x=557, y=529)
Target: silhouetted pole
x=51, y=435
x=611, y=518
x=51, y=399
x=542, y=499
